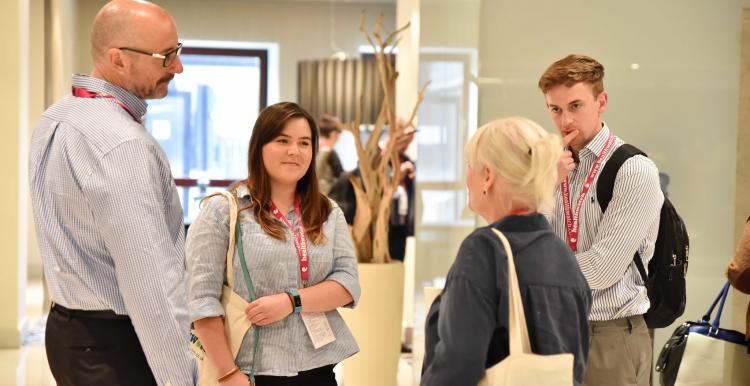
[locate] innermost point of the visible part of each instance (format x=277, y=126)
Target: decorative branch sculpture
x=380, y=170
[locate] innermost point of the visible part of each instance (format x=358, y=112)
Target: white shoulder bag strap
x=232, y=226
x=517, y=330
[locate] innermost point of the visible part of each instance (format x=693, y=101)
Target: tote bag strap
x=518, y=332
x=235, y=236
x=232, y=226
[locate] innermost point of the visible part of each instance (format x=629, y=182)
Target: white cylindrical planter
x=376, y=325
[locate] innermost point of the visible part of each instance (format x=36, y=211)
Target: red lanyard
x=300, y=239
x=519, y=212
x=83, y=93
x=572, y=217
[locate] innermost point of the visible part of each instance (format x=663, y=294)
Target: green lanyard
x=251, y=291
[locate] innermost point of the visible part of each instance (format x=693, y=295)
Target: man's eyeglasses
x=167, y=57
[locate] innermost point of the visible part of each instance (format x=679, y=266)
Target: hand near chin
x=269, y=309
x=566, y=163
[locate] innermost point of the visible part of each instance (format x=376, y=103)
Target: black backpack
x=665, y=281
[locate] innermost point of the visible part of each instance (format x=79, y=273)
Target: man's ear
x=602, y=99
x=117, y=60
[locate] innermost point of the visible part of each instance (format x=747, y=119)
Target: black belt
x=98, y=314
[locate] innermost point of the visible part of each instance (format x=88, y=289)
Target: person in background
x=738, y=270
x=299, y=255
x=107, y=214
x=510, y=177
x=401, y=222
x=327, y=162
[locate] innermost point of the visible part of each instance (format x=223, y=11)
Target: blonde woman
x=510, y=176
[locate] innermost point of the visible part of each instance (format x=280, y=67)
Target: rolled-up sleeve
x=206, y=250
x=344, y=269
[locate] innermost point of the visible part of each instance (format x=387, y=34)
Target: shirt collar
x=525, y=223
x=242, y=191
x=596, y=145
x=136, y=105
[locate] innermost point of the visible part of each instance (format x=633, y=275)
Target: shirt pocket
x=321, y=261
x=267, y=260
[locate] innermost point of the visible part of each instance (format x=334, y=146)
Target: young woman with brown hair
x=298, y=254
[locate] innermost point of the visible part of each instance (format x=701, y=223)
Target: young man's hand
x=566, y=163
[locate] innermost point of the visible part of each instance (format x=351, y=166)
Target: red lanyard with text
x=572, y=216
x=299, y=237
x=83, y=93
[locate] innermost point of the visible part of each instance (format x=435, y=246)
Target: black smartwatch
x=295, y=299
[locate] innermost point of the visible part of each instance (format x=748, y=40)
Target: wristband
x=295, y=299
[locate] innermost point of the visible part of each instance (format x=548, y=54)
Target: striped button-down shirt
x=285, y=346
x=608, y=241
x=109, y=221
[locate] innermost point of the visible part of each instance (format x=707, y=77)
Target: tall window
x=205, y=121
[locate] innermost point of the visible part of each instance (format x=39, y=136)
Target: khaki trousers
x=620, y=353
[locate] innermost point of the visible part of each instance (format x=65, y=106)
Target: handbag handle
x=518, y=332
x=233, y=214
x=720, y=299
x=236, y=237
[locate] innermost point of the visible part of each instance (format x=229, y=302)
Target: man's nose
x=567, y=118
x=176, y=66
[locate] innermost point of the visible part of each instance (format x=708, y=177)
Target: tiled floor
x=28, y=365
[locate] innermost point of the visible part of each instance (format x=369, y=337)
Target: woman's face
x=287, y=157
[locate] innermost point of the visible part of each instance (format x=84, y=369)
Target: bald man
x=107, y=214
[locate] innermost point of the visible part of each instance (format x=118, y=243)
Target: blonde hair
x=523, y=154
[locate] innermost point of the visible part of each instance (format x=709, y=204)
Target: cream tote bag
x=522, y=367
x=236, y=324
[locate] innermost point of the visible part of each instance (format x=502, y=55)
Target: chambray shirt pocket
x=267, y=260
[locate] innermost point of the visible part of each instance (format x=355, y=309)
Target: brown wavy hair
x=573, y=69
x=315, y=206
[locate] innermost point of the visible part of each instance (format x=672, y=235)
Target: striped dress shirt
x=608, y=241
x=109, y=221
x=285, y=347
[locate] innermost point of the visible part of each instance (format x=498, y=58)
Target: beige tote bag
x=522, y=367
x=236, y=324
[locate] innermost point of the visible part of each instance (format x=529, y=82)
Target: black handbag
x=668, y=363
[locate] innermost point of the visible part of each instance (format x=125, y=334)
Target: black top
x=466, y=333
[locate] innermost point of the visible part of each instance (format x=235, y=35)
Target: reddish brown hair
x=573, y=69
x=315, y=206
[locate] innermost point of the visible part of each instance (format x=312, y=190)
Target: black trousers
x=94, y=348
x=322, y=376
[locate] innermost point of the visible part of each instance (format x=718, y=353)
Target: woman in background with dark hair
x=299, y=256
x=327, y=161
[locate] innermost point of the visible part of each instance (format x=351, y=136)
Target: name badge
x=318, y=328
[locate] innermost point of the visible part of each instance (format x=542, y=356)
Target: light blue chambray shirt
x=285, y=347
x=109, y=222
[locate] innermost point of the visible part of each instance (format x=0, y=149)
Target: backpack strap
x=606, y=185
